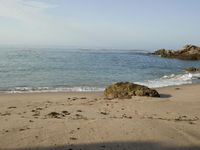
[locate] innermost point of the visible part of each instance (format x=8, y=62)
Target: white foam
x=51, y=89
x=170, y=80
x=166, y=80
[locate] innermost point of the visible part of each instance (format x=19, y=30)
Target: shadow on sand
x=165, y=95
x=114, y=146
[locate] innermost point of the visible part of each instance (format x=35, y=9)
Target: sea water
x=56, y=69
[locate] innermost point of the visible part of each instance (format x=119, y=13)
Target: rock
x=188, y=52
x=164, y=53
x=125, y=90
x=192, y=70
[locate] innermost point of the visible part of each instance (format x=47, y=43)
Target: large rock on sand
x=188, y=52
x=125, y=90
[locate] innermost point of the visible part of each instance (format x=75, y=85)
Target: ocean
x=33, y=70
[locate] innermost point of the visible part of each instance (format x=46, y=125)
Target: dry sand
x=86, y=121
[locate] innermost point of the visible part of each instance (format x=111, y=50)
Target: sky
x=117, y=24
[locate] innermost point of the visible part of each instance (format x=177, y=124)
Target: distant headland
x=188, y=52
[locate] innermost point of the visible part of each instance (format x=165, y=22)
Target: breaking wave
x=170, y=80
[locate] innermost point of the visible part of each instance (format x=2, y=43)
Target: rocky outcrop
x=192, y=70
x=125, y=90
x=188, y=52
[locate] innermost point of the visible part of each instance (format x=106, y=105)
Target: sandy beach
x=87, y=121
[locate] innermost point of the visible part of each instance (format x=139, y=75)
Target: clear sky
x=121, y=24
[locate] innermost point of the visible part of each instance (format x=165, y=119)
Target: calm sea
x=87, y=70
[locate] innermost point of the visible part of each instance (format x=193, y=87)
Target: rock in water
x=192, y=70
x=188, y=52
x=125, y=90
x=164, y=53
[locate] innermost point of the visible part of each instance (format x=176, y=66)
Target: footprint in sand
x=78, y=116
x=11, y=107
x=23, y=129
x=66, y=112
x=5, y=131
x=127, y=117
x=36, y=114
x=186, y=118
x=39, y=108
x=73, y=138
x=104, y=113
x=5, y=114
x=74, y=98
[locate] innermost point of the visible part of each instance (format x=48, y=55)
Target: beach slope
x=46, y=121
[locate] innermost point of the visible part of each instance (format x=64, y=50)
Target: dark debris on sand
x=55, y=115
x=58, y=115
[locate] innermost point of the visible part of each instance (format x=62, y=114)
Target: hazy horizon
x=115, y=24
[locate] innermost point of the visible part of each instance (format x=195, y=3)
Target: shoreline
x=85, y=120
x=162, y=82
x=88, y=92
